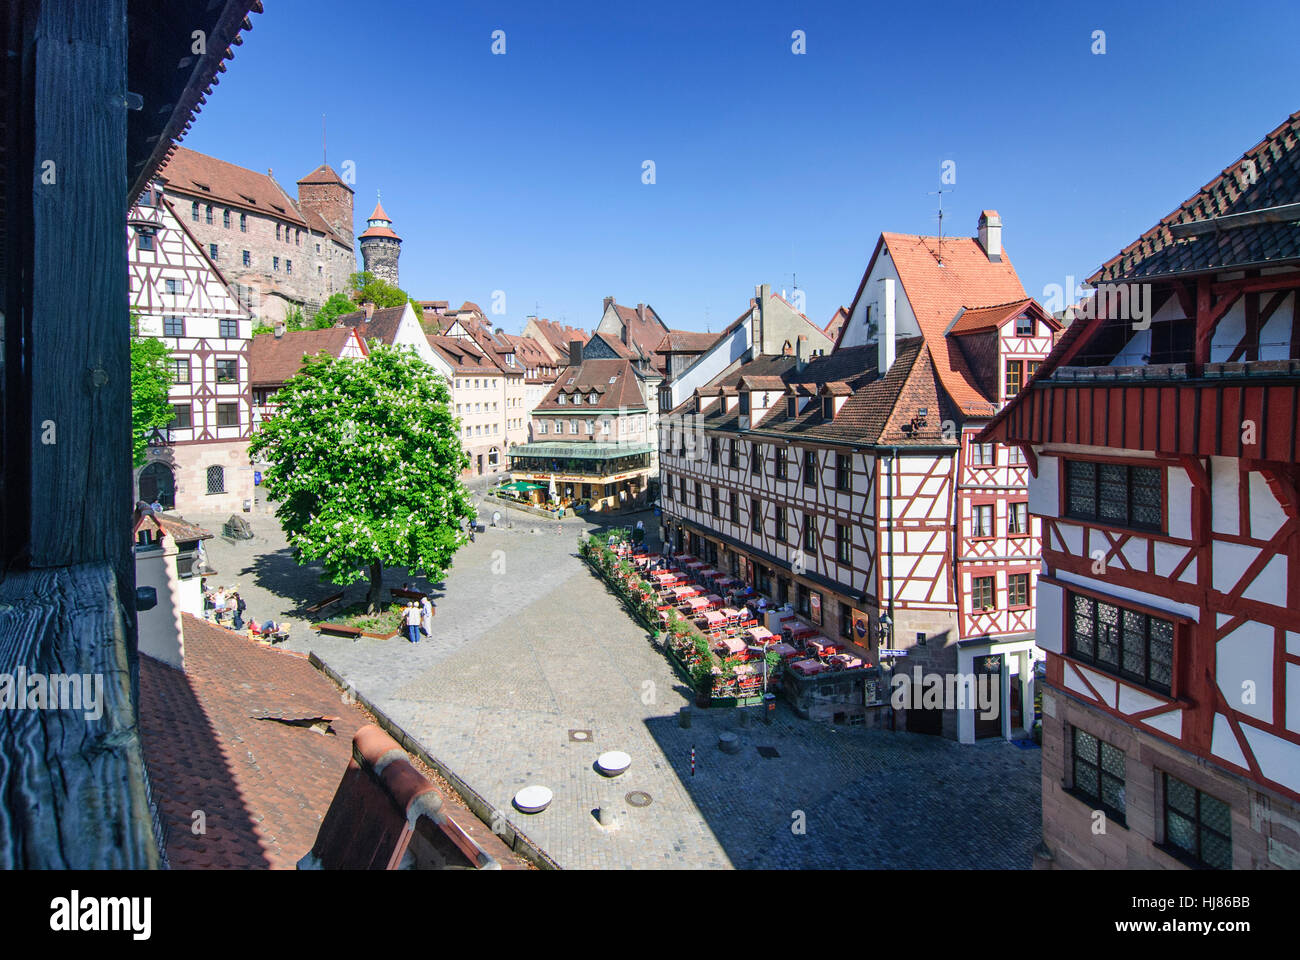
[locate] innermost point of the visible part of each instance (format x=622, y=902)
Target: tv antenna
x=324, y=142
x=939, y=193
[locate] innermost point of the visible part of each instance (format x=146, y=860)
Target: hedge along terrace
x=715, y=679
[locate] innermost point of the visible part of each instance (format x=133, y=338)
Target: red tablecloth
x=733, y=645
x=758, y=634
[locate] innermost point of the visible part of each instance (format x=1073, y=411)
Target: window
x=1017, y=518
x=846, y=621
x=1031, y=368
x=173, y=286
x=699, y=496
x=212, y=251
x=1015, y=455
x=982, y=520
x=173, y=326
x=780, y=463
x=318, y=248
x=780, y=524
x=735, y=507
x=1197, y=825
x=809, y=468
x=248, y=260
x=144, y=241
x=744, y=402
x=1018, y=590
x=1015, y=375
x=275, y=264
x=713, y=450
x=828, y=408
x=225, y=219
x=1127, y=642
x=227, y=370
x=755, y=461
x=755, y=517
x=981, y=594
x=277, y=231
x=732, y=449
x=715, y=502
x=604, y=426
x=1099, y=773
x=982, y=455
x=288, y=266
x=229, y=329
x=668, y=486
x=207, y=214
x=194, y=211
x=227, y=414
x=791, y=407
x=216, y=480
x=1024, y=326
x=562, y=399
x=184, y=418
x=591, y=426
x=1115, y=493
x=243, y=223
x=810, y=534
x=843, y=543
x=802, y=602
x=180, y=369
x=841, y=471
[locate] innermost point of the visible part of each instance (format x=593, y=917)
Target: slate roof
x=594, y=375
x=874, y=411
x=1274, y=166
x=619, y=348
x=382, y=325
x=272, y=360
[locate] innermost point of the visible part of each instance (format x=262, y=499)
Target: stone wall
x=190, y=462
x=380, y=255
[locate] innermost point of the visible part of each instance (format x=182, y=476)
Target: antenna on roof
x=324, y=143
x=940, y=192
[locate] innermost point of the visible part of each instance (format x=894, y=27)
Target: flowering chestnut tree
x=365, y=462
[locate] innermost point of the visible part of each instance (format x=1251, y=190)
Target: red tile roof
x=836, y=323
x=325, y=174
x=382, y=325
x=559, y=335
x=464, y=355
x=594, y=376
x=686, y=341
x=199, y=176
x=644, y=330
x=936, y=292
x=970, y=319
x=272, y=360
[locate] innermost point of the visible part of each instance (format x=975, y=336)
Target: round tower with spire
x=380, y=246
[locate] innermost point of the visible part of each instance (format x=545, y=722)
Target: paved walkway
x=528, y=645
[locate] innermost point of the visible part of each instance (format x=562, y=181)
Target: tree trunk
x=374, y=597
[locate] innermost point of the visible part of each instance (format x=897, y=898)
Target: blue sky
x=522, y=172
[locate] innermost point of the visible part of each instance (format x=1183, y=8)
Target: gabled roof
x=686, y=341
x=464, y=355
x=382, y=325
x=202, y=177
x=325, y=174
x=1266, y=177
x=644, y=330
x=836, y=323
x=619, y=348
x=936, y=292
x=588, y=376
x=272, y=360
x=875, y=409
x=972, y=319
x=559, y=335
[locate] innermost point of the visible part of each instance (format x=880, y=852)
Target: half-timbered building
x=853, y=480
x=200, y=461
x=1162, y=442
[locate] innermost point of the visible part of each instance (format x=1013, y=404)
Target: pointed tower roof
x=380, y=225
x=325, y=174
x=379, y=213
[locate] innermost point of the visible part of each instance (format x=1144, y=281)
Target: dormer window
x=593, y=399
x=828, y=408
x=744, y=402
x=562, y=399
x=791, y=407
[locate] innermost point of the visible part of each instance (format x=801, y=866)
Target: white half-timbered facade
x=200, y=462
x=1161, y=435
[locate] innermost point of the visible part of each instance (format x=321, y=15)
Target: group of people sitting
x=223, y=603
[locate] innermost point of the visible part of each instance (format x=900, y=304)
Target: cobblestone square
x=528, y=644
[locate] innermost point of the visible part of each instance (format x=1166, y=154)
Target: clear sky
x=522, y=172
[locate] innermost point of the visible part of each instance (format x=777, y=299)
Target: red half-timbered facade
x=1161, y=437
x=857, y=480
x=200, y=462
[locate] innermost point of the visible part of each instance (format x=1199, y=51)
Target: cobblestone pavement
x=528, y=645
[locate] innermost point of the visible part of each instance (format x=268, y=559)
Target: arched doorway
x=157, y=482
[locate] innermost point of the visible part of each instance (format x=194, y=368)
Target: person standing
x=240, y=607
x=412, y=617
x=426, y=617
x=219, y=604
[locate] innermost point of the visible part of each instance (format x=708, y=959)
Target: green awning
x=580, y=451
x=521, y=486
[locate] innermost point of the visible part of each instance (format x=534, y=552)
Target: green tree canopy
x=151, y=379
x=367, y=287
x=365, y=462
x=333, y=308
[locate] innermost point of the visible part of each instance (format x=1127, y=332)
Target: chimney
x=609, y=302
x=575, y=353
x=801, y=352
x=885, y=336
x=279, y=329
x=370, y=311
x=640, y=312
x=990, y=231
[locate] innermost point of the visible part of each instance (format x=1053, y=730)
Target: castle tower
x=324, y=192
x=380, y=246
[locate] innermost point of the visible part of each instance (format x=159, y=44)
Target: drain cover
x=638, y=798
x=770, y=753
x=580, y=736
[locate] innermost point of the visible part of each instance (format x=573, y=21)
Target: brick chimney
x=609, y=302
x=640, y=312
x=990, y=233
x=370, y=311
x=801, y=352
x=575, y=353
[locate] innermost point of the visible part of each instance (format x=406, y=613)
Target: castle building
x=278, y=252
x=380, y=246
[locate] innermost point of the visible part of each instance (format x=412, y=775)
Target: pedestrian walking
x=411, y=615
x=240, y=607
x=426, y=617
x=219, y=604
